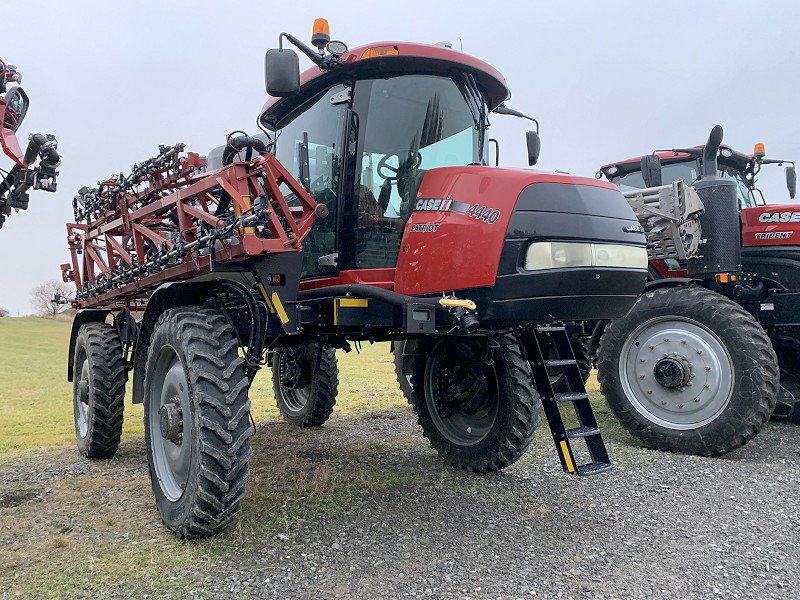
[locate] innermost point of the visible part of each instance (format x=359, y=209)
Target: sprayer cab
x=393, y=138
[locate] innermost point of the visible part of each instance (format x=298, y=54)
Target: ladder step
x=582, y=432
x=571, y=396
x=560, y=362
x=593, y=468
x=548, y=329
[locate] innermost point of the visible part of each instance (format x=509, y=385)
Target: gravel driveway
x=659, y=526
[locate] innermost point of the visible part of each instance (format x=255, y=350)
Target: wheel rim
x=171, y=459
x=295, y=391
x=81, y=399
x=475, y=417
x=676, y=373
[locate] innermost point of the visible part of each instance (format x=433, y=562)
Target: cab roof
x=630, y=165
x=411, y=58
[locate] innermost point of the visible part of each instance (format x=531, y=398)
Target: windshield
x=690, y=173
x=406, y=126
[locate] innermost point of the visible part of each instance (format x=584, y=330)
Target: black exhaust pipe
x=721, y=251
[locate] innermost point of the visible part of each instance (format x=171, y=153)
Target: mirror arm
x=502, y=109
x=775, y=161
x=317, y=59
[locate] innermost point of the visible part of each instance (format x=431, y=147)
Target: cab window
x=310, y=147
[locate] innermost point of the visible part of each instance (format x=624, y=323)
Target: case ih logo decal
x=775, y=235
x=784, y=217
x=441, y=205
x=476, y=211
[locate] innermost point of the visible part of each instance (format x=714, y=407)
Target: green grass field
x=36, y=398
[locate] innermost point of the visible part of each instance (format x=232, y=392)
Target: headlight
x=562, y=255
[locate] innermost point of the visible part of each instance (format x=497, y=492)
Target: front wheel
x=197, y=421
x=688, y=370
x=475, y=400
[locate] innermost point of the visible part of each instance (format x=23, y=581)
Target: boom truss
x=171, y=220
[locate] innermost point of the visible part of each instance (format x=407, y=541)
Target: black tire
x=199, y=464
x=786, y=412
x=403, y=362
x=305, y=390
x=98, y=390
x=687, y=370
x=478, y=417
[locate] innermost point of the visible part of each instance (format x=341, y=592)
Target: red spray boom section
x=169, y=220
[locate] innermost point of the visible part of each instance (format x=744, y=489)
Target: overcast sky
x=607, y=80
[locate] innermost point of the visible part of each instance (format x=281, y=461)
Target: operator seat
x=408, y=192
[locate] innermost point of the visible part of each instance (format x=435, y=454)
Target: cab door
x=310, y=145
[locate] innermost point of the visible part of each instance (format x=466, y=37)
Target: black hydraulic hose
x=35, y=142
x=239, y=143
x=366, y=291
x=710, y=152
x=255, y=343
x=44, y=147
x=50, y=157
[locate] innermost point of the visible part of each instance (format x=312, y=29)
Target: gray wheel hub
x=171, y=421
x=676, y=372
x=170, y=433
x=82, y=421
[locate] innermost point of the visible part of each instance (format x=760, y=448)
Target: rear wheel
x=475, y=401
x=688, y=370
x=305, y=381
x=197, y=421
x=98, y=390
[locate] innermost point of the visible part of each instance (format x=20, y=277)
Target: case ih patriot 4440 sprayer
x=368, y=214
x=23, y=176
x=693, y=366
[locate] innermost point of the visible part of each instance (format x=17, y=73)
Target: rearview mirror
x=282, y=72
x=791, y=180
x=534, y=147
x=17, y=102
x=651, y=170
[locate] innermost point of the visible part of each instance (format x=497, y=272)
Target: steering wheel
x=413, y=162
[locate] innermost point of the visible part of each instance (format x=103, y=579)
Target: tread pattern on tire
x=715, y=438
x=508, y=443
x=400, y=363
x=216, y=374
x=327, y=387
x=107, y=388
